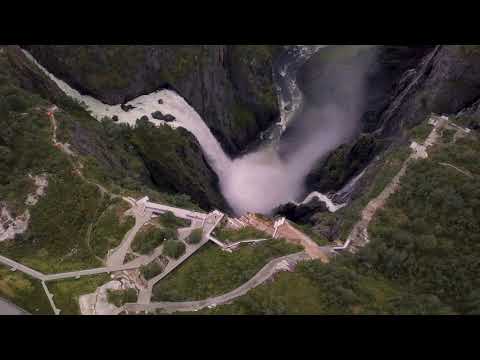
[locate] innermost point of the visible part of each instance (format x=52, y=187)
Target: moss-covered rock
x=176, y=164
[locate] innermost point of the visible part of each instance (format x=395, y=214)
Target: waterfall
x=256, y=182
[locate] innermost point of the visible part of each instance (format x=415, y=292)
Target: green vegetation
x=151, y=270
x=195, y=237
x=170, y=221
x=175, y=162
x=422, y=258
x=380, y=174
x=174, y=248
x=233, y=235
x=314, y=235
x=468, y=121
x=420, y=132
x=244, y=119
x=56, y=237
x=448, y=135
x=120, y=297
x=213, y=272
x=148, y=240
x=67, y=292
x=24, y=291
x=110, y=228
x=343, y=163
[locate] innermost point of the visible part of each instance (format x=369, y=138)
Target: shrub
x=120, y=297
x=195, y=237
x=17, y=103
x=148, y=241
x=169, y=220
x=151, y=270
x=174, y=249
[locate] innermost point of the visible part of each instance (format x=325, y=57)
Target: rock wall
x=230, y=86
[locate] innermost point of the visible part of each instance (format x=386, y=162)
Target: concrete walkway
x=22, y=268
x=116, y=256
x=358, y=237
x=9, y=308
x=264, y=274
x=180, y=213
x=211, y=222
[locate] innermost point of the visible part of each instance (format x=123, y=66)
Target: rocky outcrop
x=231, y=87
x=404, y=86
x=344, y=163
x=447, y=81
x=176, y=164
x=23, y=73
x=414, y=81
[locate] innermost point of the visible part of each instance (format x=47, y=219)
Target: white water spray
x=256, y=182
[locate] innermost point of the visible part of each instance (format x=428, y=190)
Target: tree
x=195, y=237
x=174, y=248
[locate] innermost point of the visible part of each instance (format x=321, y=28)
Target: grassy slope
x=67, y=292
x=110, y=228
x=213, y=272
x=24, y=291
x=422, y=259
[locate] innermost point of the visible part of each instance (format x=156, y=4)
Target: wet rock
x=126, y=107
x=169, y=118
x=157, y=115
x=160, y=101
x=115, y=118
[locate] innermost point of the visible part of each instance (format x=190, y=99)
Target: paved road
x=211, y=221
x=25, y=269
x=358, y=237
x=264, y=274
x=181, y=213
x=7, y=308
x=116, y=257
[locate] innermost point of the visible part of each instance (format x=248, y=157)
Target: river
x=262, y=179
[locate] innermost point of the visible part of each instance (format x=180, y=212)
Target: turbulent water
x=261, y=180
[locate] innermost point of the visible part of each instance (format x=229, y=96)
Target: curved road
x=8, y=308
x=264, y=274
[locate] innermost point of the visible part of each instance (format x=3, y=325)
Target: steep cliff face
x=447, y=81
x=441, y=79
x=231, y=87
x=361, y=81
x=143, y=160
x=404, y=85
x=176, y=163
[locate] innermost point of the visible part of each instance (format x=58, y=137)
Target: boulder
x=160, y=101
x=169, y=118
x=126, y=107
x=157, y=115
x=115, y=118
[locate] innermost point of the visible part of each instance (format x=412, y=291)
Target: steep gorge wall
x=414, y=81
x=230, y=86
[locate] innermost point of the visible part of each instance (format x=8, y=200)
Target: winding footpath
x=263, y=275
x=359, y=235
x=143, y=211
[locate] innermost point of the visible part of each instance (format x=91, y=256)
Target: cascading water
x=256, y=182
